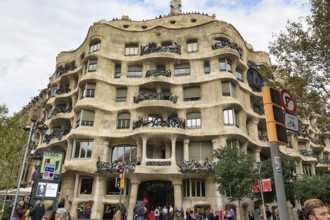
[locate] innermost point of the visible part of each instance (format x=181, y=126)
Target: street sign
x=291, y=122
x=48, y=172
x=288, y=102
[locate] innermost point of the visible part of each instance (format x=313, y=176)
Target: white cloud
x=35, y=31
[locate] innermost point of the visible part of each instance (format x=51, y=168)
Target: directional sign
x=288, y=102
x=49, y=171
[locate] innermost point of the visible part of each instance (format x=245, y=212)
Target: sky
x=34, y=32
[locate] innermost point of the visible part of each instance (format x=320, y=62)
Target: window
x=230, y=117
x=82, y=149
x=113, y=190
x=123, y=121
x=254, y=79
x=193, y=188
x=121, y=95
x=239, y=75
x=85, y=118
x=134, y=72
x=117, y=71
x=179, y=151
x=192, y=46
x=225, y=65
x=191, y=94
x=194, y=120
x=131, y=50
x=228, y=89
x=95, y=45
x=207, y=69
x=88, y=91
x=182, y=70
x=233, y=143
x=200, y=150
x=91, y=66
x=125, y=152
x=86, y=185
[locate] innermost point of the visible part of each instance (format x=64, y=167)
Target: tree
x=307, y=187
x=288, y=169
x=302, y=62
x=12, y=142
x=235, y=173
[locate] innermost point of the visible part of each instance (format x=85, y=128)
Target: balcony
x=66, y=69
x=258, y=109
x=61, y=109
x=57, y=133
x=113, y=167
x=308, y=153
x=318, y=142
x=153, y=48
x=62, y=90
x=324, y=160
x=225, y=44
x=154, y=96
x=303, y=133
x=158, y=72
x=194, y=166
x=158, y=122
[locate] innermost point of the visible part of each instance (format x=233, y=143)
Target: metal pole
x=120, y=193
x=279, y=184
x=262, y=199
x=22, y=169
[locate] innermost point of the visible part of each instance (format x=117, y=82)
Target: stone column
x=214, y=147
x=99, y=190
x=177, y=185
x=144, y=150
x=132, y=198
x=138, y=150
x=186, y=149
x=257, y=151
x=106, y=151
x=173, y=157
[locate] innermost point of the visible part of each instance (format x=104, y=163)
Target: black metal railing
x=57, y=133
x=61, y=109
x=111, y=167
x=65, y=69
x=192, y=166
x=158, y=72
x=225, y=44
x=153, y=48
x=154, y=96
x=157, y=121
x=308, y=153
x=258, y=109
x=62, y=90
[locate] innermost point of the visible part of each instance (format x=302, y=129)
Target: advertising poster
x=52, y=157
x=47, y=190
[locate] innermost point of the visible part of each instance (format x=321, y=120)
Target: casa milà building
x=156, y=97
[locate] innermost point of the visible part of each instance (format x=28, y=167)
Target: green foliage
x=307, y=187
x=288, y=169
x=12, y=142
x=302, y=55
x=235, y=173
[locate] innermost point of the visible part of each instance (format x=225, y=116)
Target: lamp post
x=37, y=161
x=261, y=191
x=23, y=167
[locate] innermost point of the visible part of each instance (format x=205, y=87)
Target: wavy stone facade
x=157, y=97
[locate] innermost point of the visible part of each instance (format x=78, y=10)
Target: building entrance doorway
x=157, y=193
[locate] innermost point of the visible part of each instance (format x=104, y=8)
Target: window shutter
x=87, y=115
x=124, y=116
x=122, y=92
x=194, y=150
x=192, y=92
x=206, y=150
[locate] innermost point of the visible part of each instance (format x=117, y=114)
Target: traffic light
x=120, y=170
x=274, y=115
x=117, y=183
x=122, y=182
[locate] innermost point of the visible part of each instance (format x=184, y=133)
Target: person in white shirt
x=165, y=213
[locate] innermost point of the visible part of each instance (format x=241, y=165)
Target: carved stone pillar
x=144, y=150
x=173, y=158
x=106, y=151
x=132, y=198
x=97, y=208
x=138, y=150
x=177, y=185
x=214, y=147
x=257, y=154
x=186, y=149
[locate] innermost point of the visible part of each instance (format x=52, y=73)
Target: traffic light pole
x=279, y=183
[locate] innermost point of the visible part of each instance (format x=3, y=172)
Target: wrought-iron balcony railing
x=308, y=153
x=225, y=44
x=263, y=137
x=57, y=133
x=62, y=90
x=157, y=122
x=324, y=160
x=318, y=141
x=258, y=109
x=154, y=96
x=61, y=109
x=65, y=69
x=192, y=166
x=112, y=167
x=153, y=48
x=158, y=72
x=324, y=128
x=158, y=163
x=303, y=133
